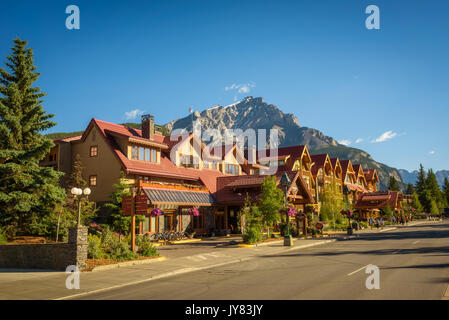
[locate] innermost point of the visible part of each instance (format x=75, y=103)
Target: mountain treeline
x=426, y=193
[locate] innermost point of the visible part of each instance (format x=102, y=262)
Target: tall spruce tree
x=434, y=188
x=393, y=184
x=28, y=192
x=446, y=190
x=421, y=189
x=410, y=189
x=416, y=203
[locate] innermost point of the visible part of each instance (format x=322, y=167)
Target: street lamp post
x=79, y=192
x=285, y=183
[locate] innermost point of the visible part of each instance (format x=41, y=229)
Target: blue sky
x=314, y=59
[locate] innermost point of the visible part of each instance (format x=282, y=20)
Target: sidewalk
x=20, y=284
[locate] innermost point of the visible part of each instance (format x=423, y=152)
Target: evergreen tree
x=415, y=203
x=421, y=189
x=410, y=189
x=446, y=189
x=434, y=211
x=393, y=184
x=120, y=223
x=28, y=192
x=434, y=188
x=445, y=192
x=271, y=201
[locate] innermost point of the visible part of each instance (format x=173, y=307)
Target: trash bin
x=349, y=230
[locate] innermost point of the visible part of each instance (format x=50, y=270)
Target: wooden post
x=133, y=221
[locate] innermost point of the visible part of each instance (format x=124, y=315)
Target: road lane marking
x=446, y=294
x=416, y=242
x=350, y=274
x=388, y=229
x=185, y=270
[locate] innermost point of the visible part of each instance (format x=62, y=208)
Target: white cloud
x=133, y=114
x=241, y=88
x=358, y=140
x=387, y=135
x=345, y=142
x=432, y=152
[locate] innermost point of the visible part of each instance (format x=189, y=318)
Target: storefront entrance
x=233, y=219
x=170, y=221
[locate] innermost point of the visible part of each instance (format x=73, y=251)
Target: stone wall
x=54, y=256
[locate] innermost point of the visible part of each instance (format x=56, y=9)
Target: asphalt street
x=413, y=263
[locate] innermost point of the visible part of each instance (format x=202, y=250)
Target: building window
x=147, y=154
x=196, y=163
x=94, y=151
x=190, y=162
x=232, y=169
x=93, y=180
x=198, y=221
x=144, y=154
x=135, y=153
x=141, y=153
x=153, y=155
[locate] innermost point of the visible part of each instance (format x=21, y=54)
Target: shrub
x=283, y=229
x=108, y=238
x=119, y=250
x=94, y=250
x=252, y=236
x=3, y=239
x=146, y=248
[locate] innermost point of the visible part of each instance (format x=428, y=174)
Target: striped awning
x=161, y=196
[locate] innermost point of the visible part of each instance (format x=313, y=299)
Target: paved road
x=413, y=262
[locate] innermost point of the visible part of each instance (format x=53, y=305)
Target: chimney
x=148, y=126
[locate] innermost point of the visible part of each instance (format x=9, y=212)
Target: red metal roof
x=227, y=187
x=166, y=168
x=320, y=161
x=379, y=199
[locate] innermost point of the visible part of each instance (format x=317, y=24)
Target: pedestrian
x=371, y=222
x=381, y=222
x=393, y=219
x=377, y=223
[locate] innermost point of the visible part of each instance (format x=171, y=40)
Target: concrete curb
x=185, y=241
x=243, y=245
x=127, y=264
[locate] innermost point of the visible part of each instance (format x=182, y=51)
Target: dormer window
x=144, y=154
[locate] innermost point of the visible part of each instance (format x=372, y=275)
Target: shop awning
x=160, y=196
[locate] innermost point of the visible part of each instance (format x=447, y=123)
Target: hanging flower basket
x=194, y=212
x=156, y=212
x=291, y=211
x=347, y=213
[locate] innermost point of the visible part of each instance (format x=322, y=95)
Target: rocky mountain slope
x=256, y=114
x=412, y=177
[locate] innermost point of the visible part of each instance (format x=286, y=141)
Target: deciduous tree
x=271, y=201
